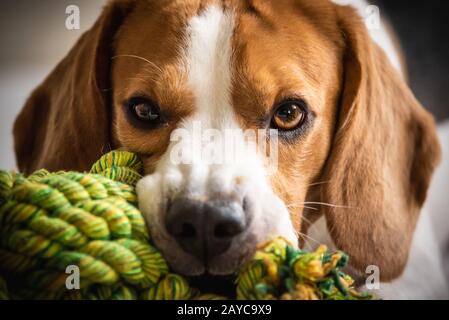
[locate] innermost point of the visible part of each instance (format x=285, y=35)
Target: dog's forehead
x=158, y=29
x=260, y=51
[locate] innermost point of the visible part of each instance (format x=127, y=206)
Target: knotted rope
x=49, y=221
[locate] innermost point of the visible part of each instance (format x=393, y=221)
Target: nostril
x=227, y=230
x=187, y=230
x=223, y=231
x=183, y=220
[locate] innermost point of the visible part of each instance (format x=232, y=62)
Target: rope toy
x=49, y=221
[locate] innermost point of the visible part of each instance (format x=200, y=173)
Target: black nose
x=205, y=229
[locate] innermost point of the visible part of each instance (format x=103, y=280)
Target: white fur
x=379, y=35
x=208, y=56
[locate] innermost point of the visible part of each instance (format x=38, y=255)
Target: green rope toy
x=49, y=221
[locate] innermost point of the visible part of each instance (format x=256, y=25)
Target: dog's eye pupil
x=288, y=116
x=146, y=112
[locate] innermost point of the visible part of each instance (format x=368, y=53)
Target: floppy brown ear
x=382, y=159
x=65, y=123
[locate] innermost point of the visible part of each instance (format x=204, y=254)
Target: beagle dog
x=354, y=146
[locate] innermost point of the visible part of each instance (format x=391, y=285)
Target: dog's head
x=349, y=137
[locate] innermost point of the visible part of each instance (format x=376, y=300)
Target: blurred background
x=423, y=28
x=34, y=39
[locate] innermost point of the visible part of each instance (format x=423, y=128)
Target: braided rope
x=49, y=221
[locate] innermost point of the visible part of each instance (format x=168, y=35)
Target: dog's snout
x=205, y=229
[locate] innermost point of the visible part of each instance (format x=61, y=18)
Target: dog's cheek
x=291, y=192
x=270, y=218
x=149, y=195
x=279, y=220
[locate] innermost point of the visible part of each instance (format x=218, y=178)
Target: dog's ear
x=383, y=156
x=65, y=122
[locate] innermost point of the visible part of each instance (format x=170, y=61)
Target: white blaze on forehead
x=209, y=65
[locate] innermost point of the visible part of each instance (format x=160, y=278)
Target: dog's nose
x=205, y=229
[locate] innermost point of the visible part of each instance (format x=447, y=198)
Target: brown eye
x=144, y=111
x=289, y=116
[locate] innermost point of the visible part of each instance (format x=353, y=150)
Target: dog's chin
x=192, y=267
x=223, y=265
x=240, y=252
x=186, y=264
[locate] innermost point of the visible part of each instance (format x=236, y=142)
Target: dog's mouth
x=218, y=285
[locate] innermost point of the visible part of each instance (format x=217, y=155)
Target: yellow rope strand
x=49, y=221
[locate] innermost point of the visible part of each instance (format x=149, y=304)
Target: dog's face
x=304, y=75
x=220, y=67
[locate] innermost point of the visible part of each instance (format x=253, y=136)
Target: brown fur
x=372, y=145
x=384, y=152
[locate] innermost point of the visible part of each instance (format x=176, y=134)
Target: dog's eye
x=289, y=116
x=144, y=110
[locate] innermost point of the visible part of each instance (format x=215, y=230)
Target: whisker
x=311, y=225
x=309, y=237
x=330, y=205
x=140, y=79
x=139, y=58
x=289, y=206
x=319, y=183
